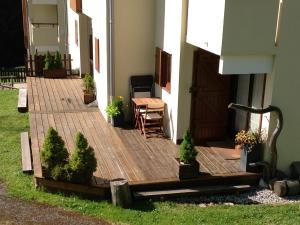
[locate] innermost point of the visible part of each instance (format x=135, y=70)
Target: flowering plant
x=115, y=107
x=249, y=139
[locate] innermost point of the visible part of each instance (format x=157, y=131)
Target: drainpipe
x=110, y=57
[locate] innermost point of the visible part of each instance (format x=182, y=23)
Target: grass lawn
x=19, y=185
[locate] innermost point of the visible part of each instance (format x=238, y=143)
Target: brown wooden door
x=210, y=98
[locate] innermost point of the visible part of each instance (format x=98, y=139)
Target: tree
x=187, y=152
x=83, y=162
x=53, y=151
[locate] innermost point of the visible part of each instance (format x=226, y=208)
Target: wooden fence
x=13, y=75
x=34, y=64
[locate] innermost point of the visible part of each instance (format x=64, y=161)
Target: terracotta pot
x=187, y=171
x=88, y=97
x=238, y=149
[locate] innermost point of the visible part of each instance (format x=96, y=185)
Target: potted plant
x=53, y=66
x=251, y=143
x=115, y=111
x=89, y=89
x=188, y=166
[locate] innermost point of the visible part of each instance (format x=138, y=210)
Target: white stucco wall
x=97, y=12
x=287, y=83
x=169, y=39
x=134, y=34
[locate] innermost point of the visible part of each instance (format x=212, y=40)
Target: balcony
x=242, y=32
x=44, y=2
x=76, y=5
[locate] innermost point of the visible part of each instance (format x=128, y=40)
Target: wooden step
x=26, y=153
x=205, y=190
x=22, y=101
x=251, y=179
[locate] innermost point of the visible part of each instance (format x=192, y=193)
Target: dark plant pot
x=55, y=73
x=187, y=171
x=250, y=157
x=118, y=121
x=88, y=97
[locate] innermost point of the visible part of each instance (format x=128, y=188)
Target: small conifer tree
x=49, y=64
x=57, y=60
x=83, y=162
x=187, y=152
x=53, y=151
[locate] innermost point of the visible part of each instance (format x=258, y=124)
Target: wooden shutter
x=158, y=57
x=76, y=5
x=76, y=33
x=166, y=71
x=97, y=55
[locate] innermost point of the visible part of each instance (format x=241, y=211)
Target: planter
x=55, y=73
x=118, y=121
x=187, y=171
x=250, y=157
x=88, y=97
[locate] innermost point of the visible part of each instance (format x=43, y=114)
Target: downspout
x=110, y=57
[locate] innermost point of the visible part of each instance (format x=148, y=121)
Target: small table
x=142, y=102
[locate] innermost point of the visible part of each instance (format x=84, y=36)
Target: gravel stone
x=256, y=196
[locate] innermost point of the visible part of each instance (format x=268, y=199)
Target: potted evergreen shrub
x=89, y=89
x=188, y=166
x=115, y=111
x=83, y=162
x=251, y=149
x=58, y=166
x=53, y=66
x=54, y=155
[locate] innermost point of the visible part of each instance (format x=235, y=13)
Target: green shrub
x=49, y=62
x=61, y=173
x=57, y=60
x=88, y=82
x=53, y=151
x=187, y=152
x=115, y=108
x=83, y=162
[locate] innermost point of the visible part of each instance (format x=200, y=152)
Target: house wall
x=169, y=39
x=287, y=83
x=93, y=18
x=134, y=34
x=45, y=38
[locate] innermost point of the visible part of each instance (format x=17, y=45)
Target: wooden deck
x=120, y=153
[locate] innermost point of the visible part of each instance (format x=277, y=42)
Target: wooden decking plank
x=30, y=95
x=70, y=137
x=35, y=95
x=26, y=153
x=41, y=96
x=22, y=100
x=46, y=94
x=74, y=91
x=109, y=170
x=35, y=146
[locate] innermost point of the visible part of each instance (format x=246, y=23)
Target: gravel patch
x=256, y=196
x=17, y=212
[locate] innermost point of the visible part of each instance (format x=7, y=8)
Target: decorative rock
x=120, y=193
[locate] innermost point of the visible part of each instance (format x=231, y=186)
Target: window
x=76, y=32
x=163, y=62
x=97, y=55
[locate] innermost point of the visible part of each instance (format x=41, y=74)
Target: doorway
x=211, y=93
